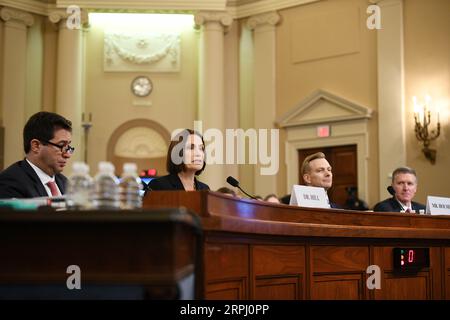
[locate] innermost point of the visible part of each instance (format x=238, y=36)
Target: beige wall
x=326, y=45
x=109, y=99
x=427, y=70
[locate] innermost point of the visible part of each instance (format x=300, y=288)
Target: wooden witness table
x=132, y=255
x=260, y=250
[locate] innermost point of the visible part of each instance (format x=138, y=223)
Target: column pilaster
x=211, y=82
x=14, y=80
x=69, y=72
x=391, y=109
x=264, y=41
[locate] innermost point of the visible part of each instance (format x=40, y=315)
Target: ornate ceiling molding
x=203, y=17
x=262, y=6
x=270, y=18
x=237, y=9
x=148, y=4
x=60, y=16
x=31, y=6
x=9, y=14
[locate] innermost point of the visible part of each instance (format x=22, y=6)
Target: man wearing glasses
x=46, y=140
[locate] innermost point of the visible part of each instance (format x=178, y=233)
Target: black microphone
x=235, y=183
x=391, y=190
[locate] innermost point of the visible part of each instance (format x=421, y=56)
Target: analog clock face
x=141, y=86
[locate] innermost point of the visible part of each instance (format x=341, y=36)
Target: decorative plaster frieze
x=269, y=18
x=18, y=16
x=126, y=51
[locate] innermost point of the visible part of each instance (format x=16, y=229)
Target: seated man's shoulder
x=13, y=182
x=13, y=170
x=385, y=205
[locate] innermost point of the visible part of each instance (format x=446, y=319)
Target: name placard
x=438, y=205
x=306, y=196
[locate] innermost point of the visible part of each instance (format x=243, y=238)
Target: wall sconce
x=422, y=118
x=86, y=126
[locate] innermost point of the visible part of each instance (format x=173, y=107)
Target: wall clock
x=141, y=86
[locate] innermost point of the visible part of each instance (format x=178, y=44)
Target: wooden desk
x=260, y=250
x=148, y=254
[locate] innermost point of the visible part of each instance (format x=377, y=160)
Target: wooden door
x=343, y=160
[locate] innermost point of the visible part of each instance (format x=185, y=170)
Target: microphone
x=235, y=184
x=391, y=190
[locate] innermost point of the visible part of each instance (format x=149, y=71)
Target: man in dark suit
x=404, y=187
x=316, y=172
x=46, y=140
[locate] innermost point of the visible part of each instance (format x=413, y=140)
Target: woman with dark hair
x=185, y=161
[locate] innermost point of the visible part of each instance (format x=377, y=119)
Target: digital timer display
x=411, y=259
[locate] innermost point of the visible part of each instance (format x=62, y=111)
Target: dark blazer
x=172, y=182
x=21, y=181
x=392, y=205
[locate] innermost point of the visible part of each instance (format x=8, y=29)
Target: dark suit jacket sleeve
x=10, y=187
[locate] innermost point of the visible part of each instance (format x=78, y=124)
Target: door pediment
x=323, y=106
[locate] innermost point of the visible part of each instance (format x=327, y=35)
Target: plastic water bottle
x=130, y=187
x=106, y=187
x=80, y=186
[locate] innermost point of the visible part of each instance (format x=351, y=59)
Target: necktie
x=53, y=188
x=408, y=210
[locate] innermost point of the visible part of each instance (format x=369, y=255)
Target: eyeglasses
x=64, y=148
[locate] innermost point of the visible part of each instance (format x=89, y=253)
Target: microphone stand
x=254, y=198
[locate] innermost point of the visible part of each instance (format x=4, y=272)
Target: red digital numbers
x=410, y=256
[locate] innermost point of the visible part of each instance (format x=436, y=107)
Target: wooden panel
x=2, y=147
x=227, y=290
x=339, y=259
x=447, y=272
x=383, y=257
x=153, y=250
x=278, y=288
x=338, y=287
x=414, y=287
x=271, y=260
x=225, y=261
x=262, y=243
